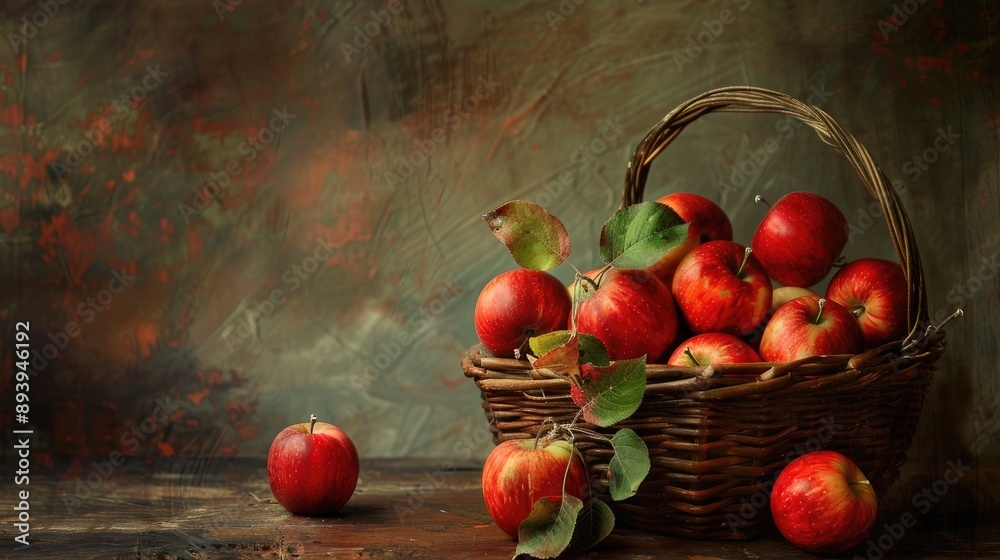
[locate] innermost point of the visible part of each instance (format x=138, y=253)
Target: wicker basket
x=717, y=442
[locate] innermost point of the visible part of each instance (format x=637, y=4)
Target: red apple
x=822, y=502
x=810, y=326
x=632, y=313
x=720, y=287
x=799, y=238
x=875, y=290
x=712, y=348
x=312, y=468
x=706, y=222
x=518, y=305
x=517, y=474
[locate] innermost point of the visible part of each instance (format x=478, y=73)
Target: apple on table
x=519, y=472
x=312, y=468
x=822, y=502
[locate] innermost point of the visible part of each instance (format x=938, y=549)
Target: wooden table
x=201, y=509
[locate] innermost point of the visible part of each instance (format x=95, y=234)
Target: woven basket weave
x=717, y=442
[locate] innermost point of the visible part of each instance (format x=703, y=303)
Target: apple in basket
x=799, y=238
x=518, y=473
x=785, y=294
x=706, y=222
x=518, y=305
x=720, y=287
x=312, y=468
x=712, y=348
x=822, y=502
x=632, y=313
x=810, y=326
x=875, y=290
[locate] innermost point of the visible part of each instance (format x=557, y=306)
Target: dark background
x=113, y=115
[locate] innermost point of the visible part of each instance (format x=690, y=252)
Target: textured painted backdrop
x=225, y=216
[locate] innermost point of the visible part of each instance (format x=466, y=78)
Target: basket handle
x=747, y=99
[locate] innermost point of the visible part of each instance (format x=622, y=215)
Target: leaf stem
x=590, y=433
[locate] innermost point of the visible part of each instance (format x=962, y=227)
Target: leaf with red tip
x=563, y=360
x=615, y=393
x=639, y=235
x=591, y=348
x=535, y=238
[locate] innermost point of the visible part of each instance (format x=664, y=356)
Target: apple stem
x=690, y=355
x=312, y=423
x=761, y=199
x=822, y=303
x=588, y=279
x=839, y=261
x=746, y=258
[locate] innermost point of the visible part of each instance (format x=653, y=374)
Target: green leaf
x=637, y=236
x=592, y=350
x=549, y=529
x=593, y=525
x=615, y=392
x=630, y=464
x=535, y=238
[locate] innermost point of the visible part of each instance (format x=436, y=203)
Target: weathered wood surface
x=166, y=513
